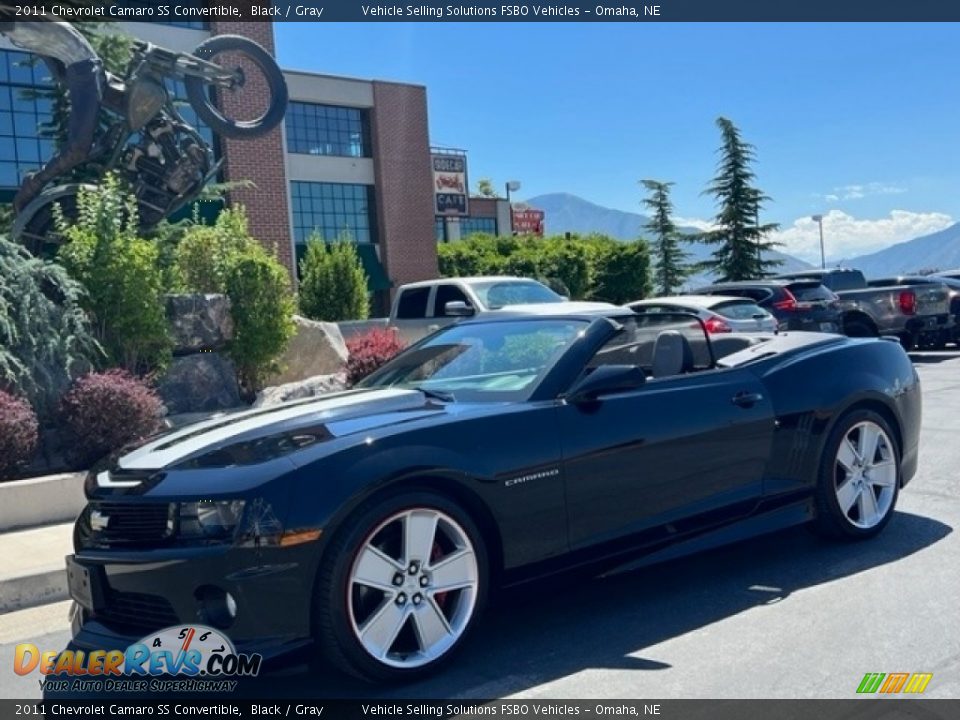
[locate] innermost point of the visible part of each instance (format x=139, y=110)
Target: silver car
x=719, y=313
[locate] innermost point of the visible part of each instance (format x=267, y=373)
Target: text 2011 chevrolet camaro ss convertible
x=375, y=522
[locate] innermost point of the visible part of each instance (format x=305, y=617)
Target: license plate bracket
x=85, y=583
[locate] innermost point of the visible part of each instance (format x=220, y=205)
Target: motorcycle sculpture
x=162, y=159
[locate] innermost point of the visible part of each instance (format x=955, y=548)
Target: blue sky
x=860, y=122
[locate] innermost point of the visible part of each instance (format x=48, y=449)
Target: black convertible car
x=375, y=522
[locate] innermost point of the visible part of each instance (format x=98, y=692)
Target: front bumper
x=142, y=592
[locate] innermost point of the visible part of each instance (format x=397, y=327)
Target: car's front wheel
x=859, y=477
x=401, y=587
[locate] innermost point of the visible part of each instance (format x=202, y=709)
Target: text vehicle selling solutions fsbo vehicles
x=375, y=522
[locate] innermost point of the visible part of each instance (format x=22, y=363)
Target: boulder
x=311, y=387
x=199, y=322
x=317, y=348
x=204, y=382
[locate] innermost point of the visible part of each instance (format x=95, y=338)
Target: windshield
x=500, y=293
x=486, y=362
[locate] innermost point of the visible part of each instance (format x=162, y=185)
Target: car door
x=680, y=448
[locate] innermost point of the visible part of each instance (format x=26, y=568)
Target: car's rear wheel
x=859, y=477
x=401, y=587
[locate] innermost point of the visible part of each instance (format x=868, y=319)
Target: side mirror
x=607, y=380
x=458, y=308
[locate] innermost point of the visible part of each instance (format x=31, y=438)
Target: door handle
x=746, y=399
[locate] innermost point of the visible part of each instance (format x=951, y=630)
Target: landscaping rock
x=203, y=382
x=316, y=349
x=199, y=322
x=311, y=387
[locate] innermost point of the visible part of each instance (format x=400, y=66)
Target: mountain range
x=569, y=213
x=937, y=251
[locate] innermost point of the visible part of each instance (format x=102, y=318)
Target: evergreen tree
x=738, y=232
x=670, y=270
x=333, y=284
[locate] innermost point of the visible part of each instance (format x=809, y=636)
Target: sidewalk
x=33, y=571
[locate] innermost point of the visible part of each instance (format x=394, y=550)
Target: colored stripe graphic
x=918, y=683
x=894, y=682
x=870, y=682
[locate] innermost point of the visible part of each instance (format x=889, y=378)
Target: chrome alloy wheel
x=865, y=474
x=412, y=588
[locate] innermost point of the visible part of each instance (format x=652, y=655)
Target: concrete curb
x=41, y=501
x=40, y=588
x=34, y=572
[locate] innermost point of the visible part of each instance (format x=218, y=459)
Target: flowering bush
x=105, y=411
x=18, y=434
x=369, y=351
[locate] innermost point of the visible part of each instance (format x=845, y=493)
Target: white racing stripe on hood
x=169, y=449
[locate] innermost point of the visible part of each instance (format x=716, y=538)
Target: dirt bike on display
x=162, y=159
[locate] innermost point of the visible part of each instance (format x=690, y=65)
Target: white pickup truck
x=421, y=308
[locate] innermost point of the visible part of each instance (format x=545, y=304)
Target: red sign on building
x=527, y=221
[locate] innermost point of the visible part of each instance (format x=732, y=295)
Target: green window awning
x=376, y=274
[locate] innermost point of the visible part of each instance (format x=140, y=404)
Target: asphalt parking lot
x=786, y=616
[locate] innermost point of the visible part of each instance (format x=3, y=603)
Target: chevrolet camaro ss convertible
x=373, y=524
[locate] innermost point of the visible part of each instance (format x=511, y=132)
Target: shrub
x=622, y=273
x=369, y=351
x=121, y=274
x=45, y=337
x=592, y=266
x=333, y=284
x=18, y=434
x=204, y=252
x=225, y=258
x=262, y=307
x=105, y=411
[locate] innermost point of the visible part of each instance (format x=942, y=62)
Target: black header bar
x=628, y=11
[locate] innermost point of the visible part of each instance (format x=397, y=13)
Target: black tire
x=908, y=341
x=35, y=226
x=830, y=520
x=858, y=329
x=198, y=90
x=334, y=608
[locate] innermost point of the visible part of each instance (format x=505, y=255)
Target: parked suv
x=796, y=304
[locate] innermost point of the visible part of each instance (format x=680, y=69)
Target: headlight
x=209, y=519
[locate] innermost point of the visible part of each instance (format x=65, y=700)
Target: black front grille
x=129, y=522
x=128, y=612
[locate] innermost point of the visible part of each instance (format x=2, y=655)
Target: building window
x=471, y=225
x=333, y=210
x=327, y=130
x=440, y=228
x=23, y=149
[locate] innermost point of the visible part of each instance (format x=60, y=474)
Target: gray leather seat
x=672, y=354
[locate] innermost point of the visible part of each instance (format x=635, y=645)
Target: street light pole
x=818, y=219
x=511, y=185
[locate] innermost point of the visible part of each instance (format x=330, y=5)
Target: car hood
x=255, y=436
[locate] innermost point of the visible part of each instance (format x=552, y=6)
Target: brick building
x=351, y=158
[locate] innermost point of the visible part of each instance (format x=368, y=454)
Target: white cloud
x=846, y=236
x=695, y=223
x=859, y=191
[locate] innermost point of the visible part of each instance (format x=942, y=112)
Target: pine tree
x=738, y=231
x=668, y=255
